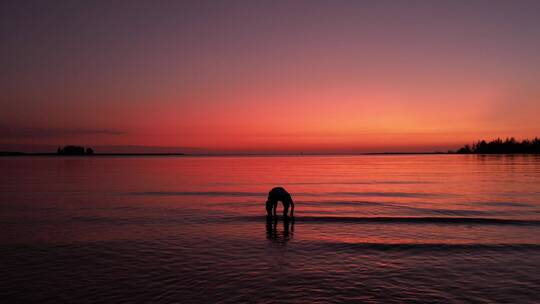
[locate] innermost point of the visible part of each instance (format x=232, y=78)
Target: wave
x=505, y=204
x=418, y=211
x=385, y=194
x=341, y=203
x=259, y=204
x=382, y=182
x=196, y=193
x=364, y=183
x=453, y=212
x=426, y=246
x=413, y=220
x=219, y=217
x=263, y=194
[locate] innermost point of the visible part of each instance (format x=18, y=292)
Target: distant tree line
x=74, y=150
x=499, y=146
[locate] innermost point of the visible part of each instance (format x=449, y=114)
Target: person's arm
x=275, y=208
x=292, y=208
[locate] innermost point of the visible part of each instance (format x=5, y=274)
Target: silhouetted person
x=279, y=194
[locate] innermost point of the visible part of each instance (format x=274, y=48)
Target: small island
x=74, y=150
x=498, y=146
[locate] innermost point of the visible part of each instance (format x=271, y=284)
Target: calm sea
x=375, y=229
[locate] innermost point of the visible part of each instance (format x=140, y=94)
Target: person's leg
x=285, y=209
x=269, y=208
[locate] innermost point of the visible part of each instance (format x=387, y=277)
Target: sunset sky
x=267, y=76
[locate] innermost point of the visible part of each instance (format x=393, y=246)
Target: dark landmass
x=139, y=154
x=74, y=150
x=498, y=146
x=82, y=151
x=9, y=153
x=71, y=150
x=405, y=153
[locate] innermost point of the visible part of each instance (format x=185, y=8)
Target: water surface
x=381, y=229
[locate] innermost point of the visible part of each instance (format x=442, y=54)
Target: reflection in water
x=276, y=236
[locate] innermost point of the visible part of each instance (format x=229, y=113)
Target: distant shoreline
x=92, y=155
x=23, y=154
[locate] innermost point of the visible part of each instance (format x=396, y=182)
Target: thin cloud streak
x=19, y=132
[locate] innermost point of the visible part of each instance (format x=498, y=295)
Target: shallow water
x=380, y=229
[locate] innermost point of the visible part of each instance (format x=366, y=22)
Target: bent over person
x=279, y=194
